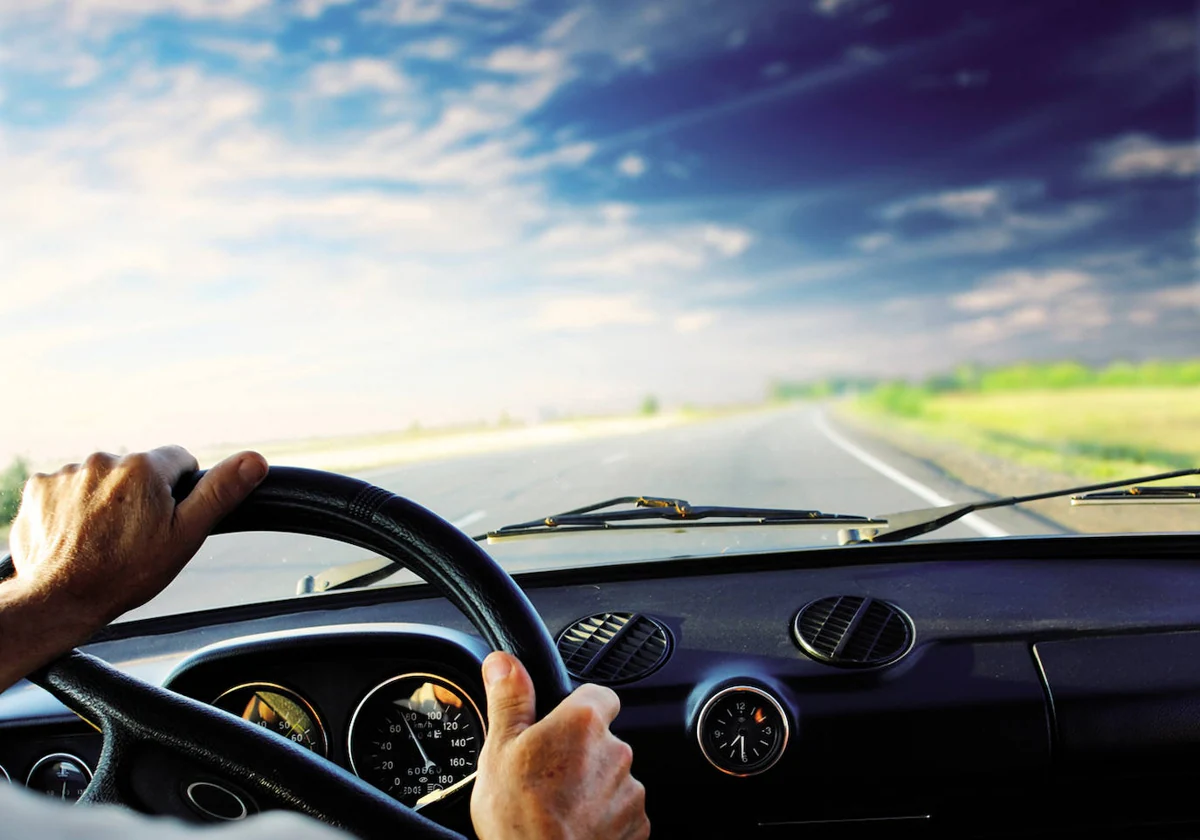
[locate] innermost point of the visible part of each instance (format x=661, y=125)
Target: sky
x=241, y=220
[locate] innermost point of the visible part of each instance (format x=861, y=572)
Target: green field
x=1094, y=432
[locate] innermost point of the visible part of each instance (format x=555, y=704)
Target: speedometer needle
x=413, y=735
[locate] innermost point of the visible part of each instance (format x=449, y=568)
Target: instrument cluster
x=416, y=736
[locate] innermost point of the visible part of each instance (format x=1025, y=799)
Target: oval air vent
x=853, y=632
x=614, y=647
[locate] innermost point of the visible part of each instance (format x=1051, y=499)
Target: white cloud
x=632, y=165
x=863, y=54
x=578, y=313
x=872, y=242
x=728, y=241
x=736, y=39
x=338, y=78
x=419, y=12
x=1186, y=296
x=407, y=12
x=435, y=49
x=690, y=322
x=249, y=52
x=329, y=45
x=1143, y=156
x=995, y=328
x=313, y=9
x=521, y=60
x=959, y=204
x=1017, y=288
x=832, y=8
x=775, y=70
x=563, y=27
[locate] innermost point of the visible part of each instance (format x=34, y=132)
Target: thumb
x=509, y=697
x=219, y=491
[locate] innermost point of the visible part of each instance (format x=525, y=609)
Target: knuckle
x=584, y=718
x=137, y=466
x=97, y=462
x=623, y=756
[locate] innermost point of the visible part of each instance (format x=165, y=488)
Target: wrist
x=35, y=627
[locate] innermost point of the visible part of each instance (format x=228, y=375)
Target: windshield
x=510, y=258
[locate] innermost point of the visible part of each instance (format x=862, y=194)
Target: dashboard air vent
x=614, y=647
x=853, y=632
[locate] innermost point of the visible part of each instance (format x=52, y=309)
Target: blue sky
x=248, y=219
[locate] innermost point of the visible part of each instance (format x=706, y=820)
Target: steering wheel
x=156, y=741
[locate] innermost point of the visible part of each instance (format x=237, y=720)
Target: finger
x=510, y=698
x=222, y=488
x=602, y=701
x=171, y=462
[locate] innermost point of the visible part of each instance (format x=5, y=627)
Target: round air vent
x=614, y=647
x=853, y=632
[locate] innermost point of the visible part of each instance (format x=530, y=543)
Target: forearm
x=34, y=629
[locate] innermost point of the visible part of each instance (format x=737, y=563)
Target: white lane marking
x=971, y=520
x=469, y=520
x=615, y=457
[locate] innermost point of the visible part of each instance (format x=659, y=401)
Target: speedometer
x=416, y=737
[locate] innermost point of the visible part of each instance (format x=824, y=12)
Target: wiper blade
x=1174, y=495
x=671, y=514
x=903, y=526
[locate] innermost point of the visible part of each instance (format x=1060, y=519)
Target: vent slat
x=853, y=631
x=614, y=647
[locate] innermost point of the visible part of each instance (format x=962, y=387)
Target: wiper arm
x=913, y=523
x=674, y=513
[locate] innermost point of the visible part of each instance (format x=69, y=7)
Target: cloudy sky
x=249, y=219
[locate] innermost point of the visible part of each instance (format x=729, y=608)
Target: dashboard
x=1025, y=686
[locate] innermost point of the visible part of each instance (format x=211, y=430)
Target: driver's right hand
x=565, y=777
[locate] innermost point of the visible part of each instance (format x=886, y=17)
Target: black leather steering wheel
x=155, y=741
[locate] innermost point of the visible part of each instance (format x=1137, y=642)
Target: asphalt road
x=791, y=457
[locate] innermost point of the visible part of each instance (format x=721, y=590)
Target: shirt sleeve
x=28, y=816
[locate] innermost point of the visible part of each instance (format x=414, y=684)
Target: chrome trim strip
x=848, y=820
x=192, y=798
x=427, y=798
x=275, y=687
x=770, y=698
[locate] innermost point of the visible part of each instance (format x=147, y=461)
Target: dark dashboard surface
x=1053, y=684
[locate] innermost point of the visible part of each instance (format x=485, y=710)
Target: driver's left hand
x=97, y=539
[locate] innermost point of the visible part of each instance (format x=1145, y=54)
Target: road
x=790, y=457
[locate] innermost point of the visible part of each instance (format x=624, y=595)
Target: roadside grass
x=1090, y=432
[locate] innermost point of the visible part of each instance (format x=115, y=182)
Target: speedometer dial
x=416, y=737
x=279, y=710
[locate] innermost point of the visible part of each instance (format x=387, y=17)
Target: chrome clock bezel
x=706, y=709
x=57, y=756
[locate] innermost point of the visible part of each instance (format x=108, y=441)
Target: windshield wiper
x=675, y=513
x=1174, y=495
x=672, y=514
x=913, y=523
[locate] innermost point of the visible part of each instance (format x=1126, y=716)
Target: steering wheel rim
x=295, y=500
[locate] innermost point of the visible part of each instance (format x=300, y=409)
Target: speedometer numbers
x=416, y=737
x=279, y=710
x=742, y=730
